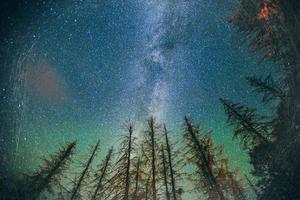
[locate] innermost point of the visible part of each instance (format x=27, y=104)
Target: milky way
x=82, y=68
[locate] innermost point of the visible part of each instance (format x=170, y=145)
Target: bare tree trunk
x=165, y=173
x=170, y=163
x=147, y=188
x=103, y=174
x=136, y=189
x=127, y=179
x=205, y=166
x=77, y=187
x=153, y=182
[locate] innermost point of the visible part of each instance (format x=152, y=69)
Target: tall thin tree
x=192, y=135
x=151, y=131
x=170, y=162
x=165, y=174
x=84, y=172
x=137, y=179
x=127, y=178
x=103, y=173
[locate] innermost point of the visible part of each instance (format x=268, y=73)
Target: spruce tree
x=250, y=127
x=268, y=87
x=48, y=173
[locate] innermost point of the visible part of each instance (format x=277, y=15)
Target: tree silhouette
x=127, y=179
x=102, y=175
x=248, y=125
x=170, y=162
x=267, y=86
x=152, y=131
x=137, y=179
x=272, y=28
x=78, y=185
x=53, y=167
x=120, y=182
x=165, y=174
x=202, y=160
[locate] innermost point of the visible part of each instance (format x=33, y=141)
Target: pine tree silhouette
x=272, y=29
x=78, y=184
x=152, y=131
x=202, y=160
x=137, y=179
x=267, y=86
x=121, y=180
x=102, y=175
x=165, y=174
x=248, y=125
x=170, y=162
x=49, y=172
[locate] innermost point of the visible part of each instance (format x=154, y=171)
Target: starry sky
x=79, y=69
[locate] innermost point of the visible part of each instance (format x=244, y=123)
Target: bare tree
x=101, y=176
x=152, y=131
x=202, y=160
x=84, y=172
x=165, y=174
x=170, y=161
x=137, y=179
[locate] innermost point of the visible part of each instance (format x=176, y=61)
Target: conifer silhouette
x=78, y=184
x=170, y=162
x=267, y=86
x=121, y=180
x=248, y=125
x=137, y=179
x=102, y=176
x=272, y=29
x=165, y=174
x=202, y=160
x=49, y=172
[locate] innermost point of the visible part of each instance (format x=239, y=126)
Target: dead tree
x=151, y=131
x=46, y=175
x=84, y=172
x=147, y=188
x=165, y=174
x=127, y=179
x=102, y=175
x=137, y=178
x=170, y=161
x=120, y=182
x=197, y=148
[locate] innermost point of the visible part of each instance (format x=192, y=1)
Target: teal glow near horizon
x=92, y=65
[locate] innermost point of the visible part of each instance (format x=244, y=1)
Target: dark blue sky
x=88, y=66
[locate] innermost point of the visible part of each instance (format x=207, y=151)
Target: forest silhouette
x=155, y=165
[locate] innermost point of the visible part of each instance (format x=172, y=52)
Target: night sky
x=82, y=68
